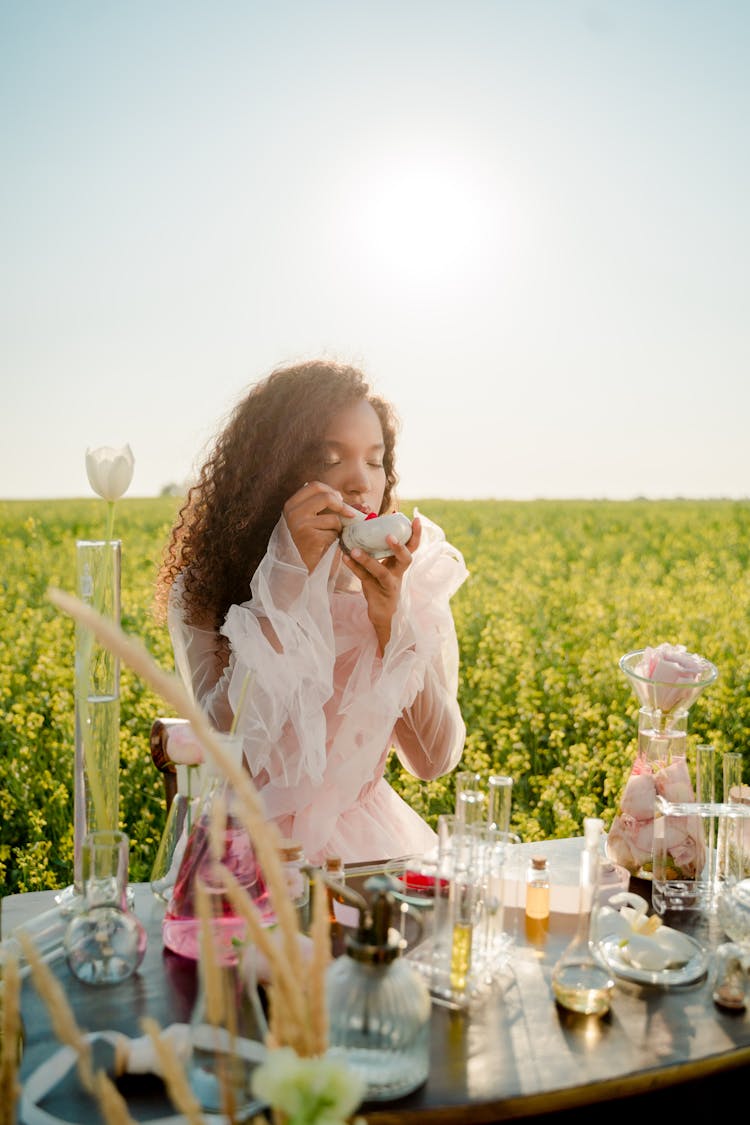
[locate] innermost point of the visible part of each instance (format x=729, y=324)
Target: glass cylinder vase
x=97, y=702
x=660, y=769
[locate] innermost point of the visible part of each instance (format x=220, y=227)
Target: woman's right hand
x=313, y=516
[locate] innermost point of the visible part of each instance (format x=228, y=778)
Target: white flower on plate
x=644, y=941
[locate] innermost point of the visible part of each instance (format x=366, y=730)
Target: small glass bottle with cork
x=537, y=888
x=297, y=879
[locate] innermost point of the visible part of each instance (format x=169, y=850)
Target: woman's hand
x=381, y=580
x=313, y=516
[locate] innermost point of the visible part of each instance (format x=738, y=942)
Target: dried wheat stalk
x=209, y=966
x=173, y=1073
x=284, y=980
x=111, y=1102
x=298, y=981
x=63, y=1021
x=10, y=997
x=320, y=932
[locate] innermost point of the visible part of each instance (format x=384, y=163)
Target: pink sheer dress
x=323, y=709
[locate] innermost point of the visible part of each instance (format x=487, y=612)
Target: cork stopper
x=539, y=862
x=290, y=850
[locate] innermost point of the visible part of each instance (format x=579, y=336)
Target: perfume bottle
x=378, y=1006
x=579, y=981
x=180, y=928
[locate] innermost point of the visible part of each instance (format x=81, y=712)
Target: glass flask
x=580, y=982
x=105, y=942
x=177, y=829
x=180, y=928
x=378, y=1005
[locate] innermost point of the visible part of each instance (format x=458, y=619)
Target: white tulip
x=110, y=471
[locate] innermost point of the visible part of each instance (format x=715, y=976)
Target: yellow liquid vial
x=460, y=957
x=537, y=901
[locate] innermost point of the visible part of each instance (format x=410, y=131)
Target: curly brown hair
x=271, y=445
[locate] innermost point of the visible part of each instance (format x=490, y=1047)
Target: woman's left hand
x=381, y=580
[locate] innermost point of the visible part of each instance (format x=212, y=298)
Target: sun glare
x=426, y=221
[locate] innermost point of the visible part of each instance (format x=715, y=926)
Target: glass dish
x=413, y=880
x=611, y=954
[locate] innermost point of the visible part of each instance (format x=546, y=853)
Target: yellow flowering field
x=558, y=592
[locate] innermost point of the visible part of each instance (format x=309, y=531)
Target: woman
x=341, y=656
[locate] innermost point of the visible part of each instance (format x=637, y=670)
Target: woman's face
x=353, y=451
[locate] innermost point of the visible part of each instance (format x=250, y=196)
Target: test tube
x=731, y=859
x=500, y=792
x=471, y=798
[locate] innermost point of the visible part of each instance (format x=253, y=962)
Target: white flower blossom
x=110, y=471
x=310, y=1091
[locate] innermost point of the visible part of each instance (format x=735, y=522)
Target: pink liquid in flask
x=181, y=926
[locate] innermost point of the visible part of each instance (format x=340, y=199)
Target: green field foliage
x=558, y=592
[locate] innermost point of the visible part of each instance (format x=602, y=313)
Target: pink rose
x=630, y=842
x=683, y=841
x=618, y=847
x=642, y=842
x=638, y=796
x=673, y=672
x=183, y=747
x=673, y=782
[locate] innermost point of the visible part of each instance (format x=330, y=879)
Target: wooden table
x=517, y=1055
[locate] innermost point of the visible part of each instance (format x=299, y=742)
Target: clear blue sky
x=526, y=219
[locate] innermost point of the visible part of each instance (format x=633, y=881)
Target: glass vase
x=96, y=781
x=660, y=768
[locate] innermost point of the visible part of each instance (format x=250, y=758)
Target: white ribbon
x=141, y=1059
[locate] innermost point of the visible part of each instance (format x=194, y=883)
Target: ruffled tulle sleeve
x=429, y=734
x=283, y=647
x=199, y=661
x=323, y=706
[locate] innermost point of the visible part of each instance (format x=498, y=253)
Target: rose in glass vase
x=667, y=680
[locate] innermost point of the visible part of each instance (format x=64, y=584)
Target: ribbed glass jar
x=380, y=1021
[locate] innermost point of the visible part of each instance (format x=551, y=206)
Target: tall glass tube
x=97, y=702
